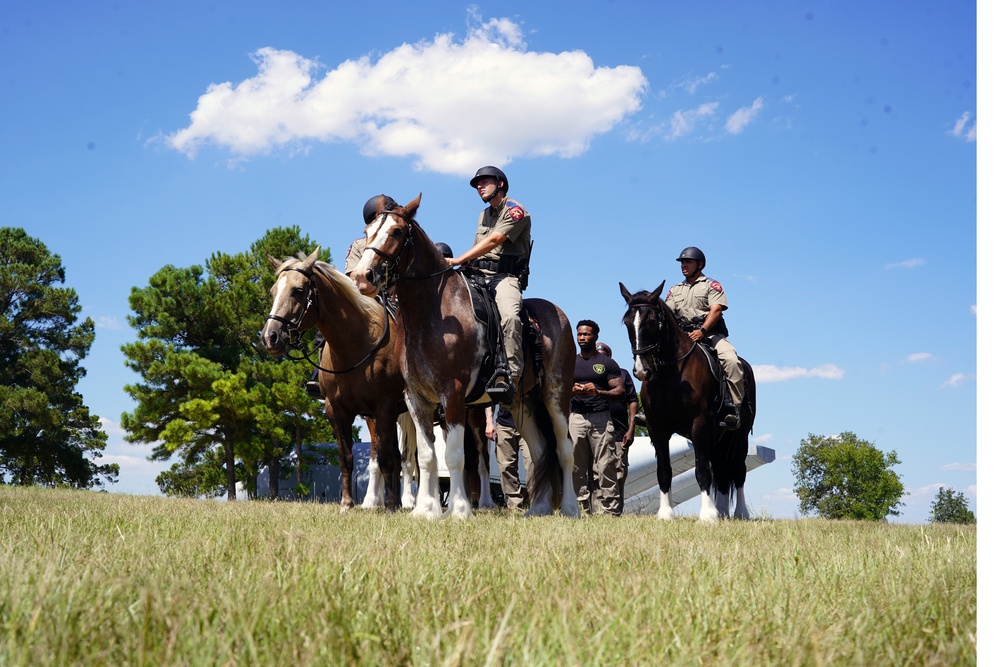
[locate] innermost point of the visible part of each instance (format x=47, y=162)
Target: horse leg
x=664, y=478
x=741, y=511
x=428, y=501
x=407, y=436
x=702, y=437
x=389, y=459
x=459, y=506
x=564, y=451
x=345, y=442
x=375, y=494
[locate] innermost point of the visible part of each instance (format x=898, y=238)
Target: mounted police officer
x=500, y=251
x=698, y=302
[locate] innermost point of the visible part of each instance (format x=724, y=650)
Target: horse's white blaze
x=280, y=285
x=708, y=513
x=454, y=458
x=666, y=511
x=368, y=254
x=637, y=366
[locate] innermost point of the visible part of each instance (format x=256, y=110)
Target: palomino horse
x=359, y=372
x=441, y=353
x=679, y=395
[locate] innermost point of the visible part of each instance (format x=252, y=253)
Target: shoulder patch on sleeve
x=716, y=285
x=515, y=210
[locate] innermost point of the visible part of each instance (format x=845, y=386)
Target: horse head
x=387, y=237
x=646, y=319
x=293, y=294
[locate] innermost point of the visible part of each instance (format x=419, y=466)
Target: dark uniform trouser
x=595, y=462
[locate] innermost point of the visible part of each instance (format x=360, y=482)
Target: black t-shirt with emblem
x=599, y=369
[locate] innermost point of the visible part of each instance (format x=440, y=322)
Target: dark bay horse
x=679, y=395
x=360, y=350
x=442, y=349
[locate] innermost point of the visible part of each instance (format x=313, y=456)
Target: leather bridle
x=295, y=333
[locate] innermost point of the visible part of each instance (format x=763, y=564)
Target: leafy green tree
x=842, y=477
x=206, y=382
x=951, y=506
x=47, y=434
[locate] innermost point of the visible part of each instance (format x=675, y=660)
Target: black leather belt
x=486, y=264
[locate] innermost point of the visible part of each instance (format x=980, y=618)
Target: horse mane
x=420, y=235
x=346, y=291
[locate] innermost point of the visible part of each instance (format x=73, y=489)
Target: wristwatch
x=702, y=330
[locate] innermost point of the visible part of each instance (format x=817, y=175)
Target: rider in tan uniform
x=500, y=251
x=698, y=303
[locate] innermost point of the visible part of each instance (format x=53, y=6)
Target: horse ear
x=411, y=209
x=276, y=263
x=656, y=292
x=625, y=293
x=311, y=259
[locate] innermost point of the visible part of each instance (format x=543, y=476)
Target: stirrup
x=500, y=388
x=312, y=388
x=502, y=392
x=730, y=422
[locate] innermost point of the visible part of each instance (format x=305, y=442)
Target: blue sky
x=823, y=155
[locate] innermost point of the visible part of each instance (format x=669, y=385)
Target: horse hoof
x=667, y=515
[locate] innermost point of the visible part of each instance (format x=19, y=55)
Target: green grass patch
x=96, y=579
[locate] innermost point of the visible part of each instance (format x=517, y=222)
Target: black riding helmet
x=445, y=249
x=492, y=172
x=691, y=252
x=371, y=207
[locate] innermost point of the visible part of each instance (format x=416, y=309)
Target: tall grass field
x=101, y=579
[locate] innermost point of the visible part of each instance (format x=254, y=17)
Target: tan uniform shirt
x=354, y=255
x=511, y=220
x=691, y=302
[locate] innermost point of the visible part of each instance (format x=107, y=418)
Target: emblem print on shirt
x=516, y=212
x=599, y=369
x=716, y=285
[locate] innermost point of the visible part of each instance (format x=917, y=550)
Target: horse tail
x=749, y=408
x=547, y=472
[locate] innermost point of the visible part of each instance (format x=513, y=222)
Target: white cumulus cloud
x=743, y=116
x=919, y=356
x=768, y=373
x=430, y=101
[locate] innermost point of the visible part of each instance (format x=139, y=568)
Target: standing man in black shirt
x=596, y=381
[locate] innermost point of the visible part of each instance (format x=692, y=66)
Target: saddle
x=488, y=316
x=715, y=367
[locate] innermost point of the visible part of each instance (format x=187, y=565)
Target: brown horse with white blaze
x=360, y=373
x=441, y=354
